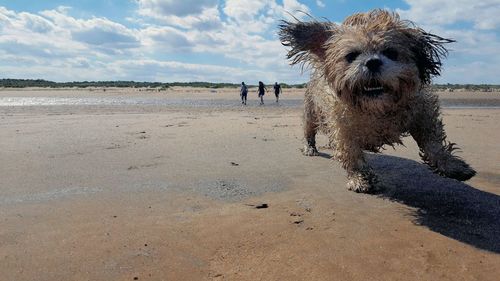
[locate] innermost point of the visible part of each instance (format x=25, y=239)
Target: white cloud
x=36, y=23
x=104, y=33
x=476, y=72
x=483, y=14
x=166, y=39
x=294, y=6
x=207, y=19
x=244, y=10
x=54, y=45
x=54, y=33
x=247, y=34
x=320, y=3
x=176, y=71
x=262, y=10
x=475, y=57
x=32, y=35
x=178, y=8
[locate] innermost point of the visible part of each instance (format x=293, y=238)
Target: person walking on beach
x=262, y=90
x=243, y=93
x=277, y=91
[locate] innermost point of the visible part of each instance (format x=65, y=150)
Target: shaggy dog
x=369, y=87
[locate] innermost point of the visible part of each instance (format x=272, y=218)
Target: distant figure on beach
x=262, y=90
x=277, y=91
x=243, y=93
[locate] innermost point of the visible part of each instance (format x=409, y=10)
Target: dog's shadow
x=446, y=206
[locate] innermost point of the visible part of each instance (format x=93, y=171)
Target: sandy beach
x=188, y=184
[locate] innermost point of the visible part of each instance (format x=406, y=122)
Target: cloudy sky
x=214, y=40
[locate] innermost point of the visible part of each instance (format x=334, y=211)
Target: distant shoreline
x=44, y=84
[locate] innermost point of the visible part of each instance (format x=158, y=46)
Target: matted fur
x=369, y=87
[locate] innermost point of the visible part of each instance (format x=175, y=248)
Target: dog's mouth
x=373, y=89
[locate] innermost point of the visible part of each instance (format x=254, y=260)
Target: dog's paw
x=456, y=168
x=364, y=182
x=310, y=151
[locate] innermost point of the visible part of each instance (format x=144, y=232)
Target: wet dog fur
x=369, y=87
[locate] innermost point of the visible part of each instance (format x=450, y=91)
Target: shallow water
x=218, y=103
x=57, y=101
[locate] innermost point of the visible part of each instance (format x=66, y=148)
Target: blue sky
x=214, y=40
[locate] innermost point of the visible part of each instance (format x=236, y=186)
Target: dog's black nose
x=374, y=65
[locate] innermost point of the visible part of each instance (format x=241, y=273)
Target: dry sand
x=171, y=193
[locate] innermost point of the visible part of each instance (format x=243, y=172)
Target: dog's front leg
x=310, y=129
x=360, y=176
x=427, y=130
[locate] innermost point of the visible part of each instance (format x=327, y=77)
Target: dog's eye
x=390, y=54
x=352, y=56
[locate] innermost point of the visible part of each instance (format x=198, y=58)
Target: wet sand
x=151, y=192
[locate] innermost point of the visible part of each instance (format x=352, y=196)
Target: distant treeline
x=466, y=87
x=25, y=83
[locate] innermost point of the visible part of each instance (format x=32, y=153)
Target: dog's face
x=373, y=60
x=370, y=66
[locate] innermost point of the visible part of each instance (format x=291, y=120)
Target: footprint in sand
x=152, y=165
x=181, y=124
x=113, y=146
x=296, y=218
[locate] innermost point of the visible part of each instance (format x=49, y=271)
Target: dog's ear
x=306, y=39
x=428, y=50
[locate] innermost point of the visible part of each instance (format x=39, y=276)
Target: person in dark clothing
x=277, y=91
x=243, y=93
x=262, y=90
